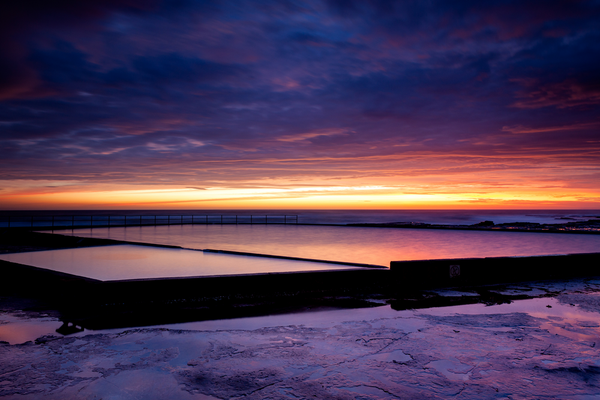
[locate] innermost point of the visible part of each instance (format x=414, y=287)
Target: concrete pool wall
x=127, y=285
x=98, y=304
x=493, y=270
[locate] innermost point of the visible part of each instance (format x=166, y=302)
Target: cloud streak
x=240, y=94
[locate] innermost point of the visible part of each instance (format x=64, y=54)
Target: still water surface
x=121, y=262
x=18, y=329
x=376, y=246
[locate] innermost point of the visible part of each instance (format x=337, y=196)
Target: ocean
x=449, y=217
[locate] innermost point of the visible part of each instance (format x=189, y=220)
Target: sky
x=110, y=104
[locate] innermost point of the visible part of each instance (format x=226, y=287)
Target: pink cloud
x=566, y=94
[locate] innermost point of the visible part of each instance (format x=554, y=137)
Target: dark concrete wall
x=476, y=271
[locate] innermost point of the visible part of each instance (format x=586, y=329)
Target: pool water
x=125, y=262
x=376, y=246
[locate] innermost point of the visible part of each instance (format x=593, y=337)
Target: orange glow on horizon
x=346, y=197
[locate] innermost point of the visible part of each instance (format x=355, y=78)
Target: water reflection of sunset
x=376, y=246
x=567, y=320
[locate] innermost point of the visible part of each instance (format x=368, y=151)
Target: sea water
x=448, y=217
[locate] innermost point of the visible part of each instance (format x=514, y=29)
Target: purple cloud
x=236, y=91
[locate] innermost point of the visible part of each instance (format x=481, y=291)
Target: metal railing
x=87, y=221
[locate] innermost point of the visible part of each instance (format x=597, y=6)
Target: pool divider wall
x=244, y=253
x=493, y=270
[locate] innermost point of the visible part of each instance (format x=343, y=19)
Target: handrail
x=91, y=221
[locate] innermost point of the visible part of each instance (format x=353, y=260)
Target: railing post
x=32, y=221
x=168, y=220
x=72, y=221
x=221, y=219
x=266, y=219
x=206, y=219
x=285, y=219
x=192, y=219
x=236, y=220
x=53, y=221
x=91, y=220
x=109, y=221
x=155, y=220
x=250, y=219
x=126, y=220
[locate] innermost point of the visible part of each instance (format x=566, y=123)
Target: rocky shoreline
x=591, y=226
x=542, y=347
x=531, y=339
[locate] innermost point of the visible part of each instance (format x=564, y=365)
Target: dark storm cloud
x=27, y=20
x=104, y=88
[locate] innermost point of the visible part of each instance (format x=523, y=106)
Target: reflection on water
x=15, y=329
x=120, y=262
x=376, y=246
x=561, y=319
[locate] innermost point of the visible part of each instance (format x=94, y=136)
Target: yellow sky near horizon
x=27, y=195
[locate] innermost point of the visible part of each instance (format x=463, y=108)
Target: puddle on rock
x=16, y=329
x=556, y=316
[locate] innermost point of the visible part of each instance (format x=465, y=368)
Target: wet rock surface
x=589, y=226
x=540, y=347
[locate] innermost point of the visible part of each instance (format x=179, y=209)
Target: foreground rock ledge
x=541, y=347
